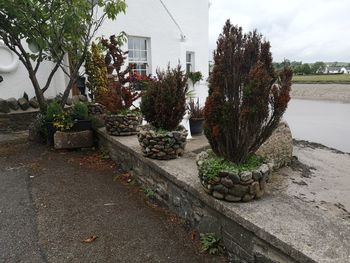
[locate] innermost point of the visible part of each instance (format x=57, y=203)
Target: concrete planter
x=123, y=125
x=73, y=140
x=235, y=186
x=165, y=146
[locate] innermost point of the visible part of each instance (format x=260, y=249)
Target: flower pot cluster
x=238, y=117
x=163, y=101
x=162, y=145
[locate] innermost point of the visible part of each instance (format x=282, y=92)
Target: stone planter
x=73, y=140
x=123, y=125
x=165, y=146
x=235, y=186
x=96, y=109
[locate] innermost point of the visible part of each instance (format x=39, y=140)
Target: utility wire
x=171, y=16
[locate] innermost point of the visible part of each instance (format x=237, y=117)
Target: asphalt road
x=51, y=201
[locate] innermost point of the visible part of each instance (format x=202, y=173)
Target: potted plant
x=138, y=81
x=122, y=118
x=195, y=77
x=246, y=101
x=196, y=117
x=73, y=128
x=163, y=105
x=80, y=117
x=53, y=109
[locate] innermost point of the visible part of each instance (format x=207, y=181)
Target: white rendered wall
x=148, y=18
x=144, y=18
x=17, y=82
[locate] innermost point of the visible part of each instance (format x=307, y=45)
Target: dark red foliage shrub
x=164, y=102
x=247, y=98
x=120, y=95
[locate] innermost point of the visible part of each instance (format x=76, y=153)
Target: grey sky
x=301, y=30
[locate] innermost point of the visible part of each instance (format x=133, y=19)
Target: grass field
x=338, y=78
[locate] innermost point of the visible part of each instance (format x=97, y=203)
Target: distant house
x=334, y=70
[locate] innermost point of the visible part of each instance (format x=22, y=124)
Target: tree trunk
x=38, y=93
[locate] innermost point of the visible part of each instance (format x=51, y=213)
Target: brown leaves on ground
x=90, y=239
x=93, y=161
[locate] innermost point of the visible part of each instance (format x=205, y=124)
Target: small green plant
x=104, y=154
x=63, y=121
x=195, y=76
x=53, y=109
x=210, y=243
x=79, y=111
x=215, y=164
x=149, y=192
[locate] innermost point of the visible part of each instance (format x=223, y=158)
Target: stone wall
x=16, y=121
x=244, y=245
x=278, y=148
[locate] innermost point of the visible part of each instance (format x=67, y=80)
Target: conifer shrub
x=96, y=70
x=164, y=102
x=119, y=96
x=247, y=98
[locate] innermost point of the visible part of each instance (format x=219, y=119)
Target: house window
x=139, y=54
x=189, y=62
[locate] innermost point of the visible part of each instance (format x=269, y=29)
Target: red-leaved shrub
x=247, y=98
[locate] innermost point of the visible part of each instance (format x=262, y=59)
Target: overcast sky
x=301, y=30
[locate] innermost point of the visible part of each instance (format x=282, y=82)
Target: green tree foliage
x=247, y=98
x=53, y=28
x=319, y=65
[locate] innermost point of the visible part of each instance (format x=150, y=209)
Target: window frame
x=190, y=62
x=137, y=47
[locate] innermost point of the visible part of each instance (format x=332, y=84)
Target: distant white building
x=334, y=70
x=159, y=32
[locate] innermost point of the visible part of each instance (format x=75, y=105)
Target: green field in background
x=338, y=78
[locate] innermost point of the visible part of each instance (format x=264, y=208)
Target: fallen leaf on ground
x=90, y=239
x=193, y=235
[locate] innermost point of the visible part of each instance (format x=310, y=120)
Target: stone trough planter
x=73, y=139
x=123, y=125
x=235, y=186
x=164, y=146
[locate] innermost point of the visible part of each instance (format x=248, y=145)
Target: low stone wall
x=277, y=228
x=16, y=121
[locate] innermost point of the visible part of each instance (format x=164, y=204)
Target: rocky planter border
x=235, y=186
x=165, y=146
x=122, y=125
x=96, y=109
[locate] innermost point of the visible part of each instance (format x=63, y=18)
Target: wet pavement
x=51, y=202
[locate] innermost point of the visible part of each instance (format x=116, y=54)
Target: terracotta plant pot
x=162, y=146
x=122, y=125
x=235, y=186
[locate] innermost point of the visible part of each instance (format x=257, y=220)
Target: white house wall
x=148, y=18
x=144, y=18
x=17, y=81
